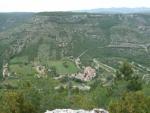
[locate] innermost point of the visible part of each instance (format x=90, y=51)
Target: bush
x=16, y=102
x=126, y=70
x=132, y=102
x=134, y=85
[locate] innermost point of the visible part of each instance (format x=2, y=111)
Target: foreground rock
x=77, y=111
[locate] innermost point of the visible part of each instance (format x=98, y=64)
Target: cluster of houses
x=41, y=71
x=88, y=74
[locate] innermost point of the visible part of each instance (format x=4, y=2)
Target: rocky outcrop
x=5, y=71
x=77, y=111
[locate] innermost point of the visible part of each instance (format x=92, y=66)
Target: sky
x=66, y=5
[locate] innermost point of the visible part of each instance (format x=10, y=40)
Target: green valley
x=52, y=60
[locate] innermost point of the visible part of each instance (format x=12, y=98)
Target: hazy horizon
x=68, y=5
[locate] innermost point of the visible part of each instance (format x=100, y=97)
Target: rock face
x=77, y=111
x=5, y=71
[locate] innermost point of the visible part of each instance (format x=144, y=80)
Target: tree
x=126, y=73
x=16, y=102
x=132, y=102
x=126, y=70
x=82, y=101
x=54, y=71
x=24, y=99
x=134, y=84
x=118, y=75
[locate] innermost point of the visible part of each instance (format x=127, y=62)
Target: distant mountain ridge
x=119, y=10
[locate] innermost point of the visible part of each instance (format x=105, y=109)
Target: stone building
x=41, y=70
x=88, y=74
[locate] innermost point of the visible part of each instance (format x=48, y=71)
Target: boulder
x=77, y=111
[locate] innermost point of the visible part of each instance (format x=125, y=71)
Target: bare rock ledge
x=77, y=111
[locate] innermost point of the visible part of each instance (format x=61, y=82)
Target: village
x=85, y=74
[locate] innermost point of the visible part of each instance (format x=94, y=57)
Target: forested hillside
x=69, y=34
x=54, y=60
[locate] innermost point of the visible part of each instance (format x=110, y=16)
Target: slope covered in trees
x=44, y=57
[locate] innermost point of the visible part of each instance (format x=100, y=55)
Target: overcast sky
x=66, y=5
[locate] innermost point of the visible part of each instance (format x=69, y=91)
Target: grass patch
x=63, y=66
x=19, y=60
x=22, y=70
